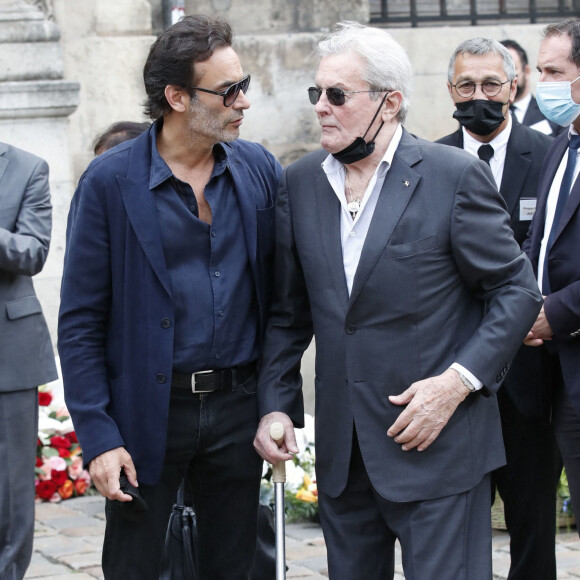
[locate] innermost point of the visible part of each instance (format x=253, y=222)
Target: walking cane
x=279, y=478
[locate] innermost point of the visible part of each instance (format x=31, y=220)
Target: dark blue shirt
x=213, y=292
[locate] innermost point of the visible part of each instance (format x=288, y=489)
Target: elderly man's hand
x=430, y=404
x=267, y=448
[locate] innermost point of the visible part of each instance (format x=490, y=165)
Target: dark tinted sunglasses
x=231, y=93
x=336, y=97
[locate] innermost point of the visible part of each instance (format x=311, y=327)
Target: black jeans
x=210, y=439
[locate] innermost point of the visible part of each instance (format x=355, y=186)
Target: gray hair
x=387, y=64
x=482, y=46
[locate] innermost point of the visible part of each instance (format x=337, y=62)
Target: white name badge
x=527, y=208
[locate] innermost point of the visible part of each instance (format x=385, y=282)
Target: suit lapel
x=139, y=201
x=552, y=163
x=399, y=185
x=247, y=208
x=3, y=163
x=516, y=167
x=328, y=210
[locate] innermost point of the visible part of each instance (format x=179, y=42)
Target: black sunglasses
x=231, y=93
x=336, y=97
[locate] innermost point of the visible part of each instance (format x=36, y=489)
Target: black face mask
x=480, y=116
x=359, y=148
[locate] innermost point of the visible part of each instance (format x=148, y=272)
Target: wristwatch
x=467, y=382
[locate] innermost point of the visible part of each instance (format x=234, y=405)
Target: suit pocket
x=23, y=307
x=411, y=248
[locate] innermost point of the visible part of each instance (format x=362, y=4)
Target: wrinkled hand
x=430, y=404
x=105, y=470
x=540, y=331
x=267, y=448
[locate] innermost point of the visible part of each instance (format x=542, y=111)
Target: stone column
x=35, y=102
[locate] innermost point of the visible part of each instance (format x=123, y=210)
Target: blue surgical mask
x=556, y=103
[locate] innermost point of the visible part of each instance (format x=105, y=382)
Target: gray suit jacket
x=440, y=279
x=26, y=354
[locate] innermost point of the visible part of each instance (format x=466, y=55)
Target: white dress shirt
x=552, y=201
x=499, y=144
x=353, y=232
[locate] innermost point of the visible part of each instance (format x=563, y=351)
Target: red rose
x=66, y=489
x=59, y=477
x=46, y=489
x=44, y=399
x=80, y=486
x=57, y=442
x=72, y=437
x=63, y=452
x=39, y=462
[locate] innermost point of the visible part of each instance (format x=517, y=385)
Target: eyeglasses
x=336, y=97
x=231, y=93
x=489, y=88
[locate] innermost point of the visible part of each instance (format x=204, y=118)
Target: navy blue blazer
x=562, y=306
x=526, y=384
x=116, y=320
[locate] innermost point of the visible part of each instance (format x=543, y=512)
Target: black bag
x=180, y=555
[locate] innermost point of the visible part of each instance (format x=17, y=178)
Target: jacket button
x=165, y=323
x=350, y=330
x=161, y=378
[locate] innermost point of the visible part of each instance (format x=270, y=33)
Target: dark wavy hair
x=173, y=55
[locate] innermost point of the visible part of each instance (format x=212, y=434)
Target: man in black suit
x=482, y=78
x=554, y=239
x=525, y=107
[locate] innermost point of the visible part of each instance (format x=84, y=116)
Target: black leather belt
x=209, y=381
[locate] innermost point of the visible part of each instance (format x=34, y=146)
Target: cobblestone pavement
x=68, y=539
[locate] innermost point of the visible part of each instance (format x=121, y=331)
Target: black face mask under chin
x=359, y=148
x=480, y=116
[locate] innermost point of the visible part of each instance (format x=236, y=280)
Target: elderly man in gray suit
x=397, y=255
x=26, y=355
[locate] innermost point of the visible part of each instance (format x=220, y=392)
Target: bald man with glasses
x=165, y=292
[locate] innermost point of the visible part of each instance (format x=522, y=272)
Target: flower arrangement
x=59, y=472
x=300, y=491
x=564, y=510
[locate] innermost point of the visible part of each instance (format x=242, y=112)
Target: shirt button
x=221, y=313
x=352, y=234
x=161, y=378
x=165, y=323
x=350, y=330
x=217, y=274
x=213, y=234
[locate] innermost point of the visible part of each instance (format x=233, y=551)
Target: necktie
x=485, y=153
x=565, y=188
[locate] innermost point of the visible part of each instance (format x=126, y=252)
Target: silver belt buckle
x=193, y=389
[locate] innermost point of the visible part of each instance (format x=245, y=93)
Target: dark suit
x=531, y=449
x=439, y=249
x=533, y=115
x=26, y=355
x=562, y=305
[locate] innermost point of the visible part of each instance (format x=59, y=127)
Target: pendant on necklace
x=353, y=206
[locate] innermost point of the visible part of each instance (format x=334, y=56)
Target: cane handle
x=279, y=469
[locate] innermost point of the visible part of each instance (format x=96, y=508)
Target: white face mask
x=556, y=103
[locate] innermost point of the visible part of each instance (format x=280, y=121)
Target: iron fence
x=414, y=12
